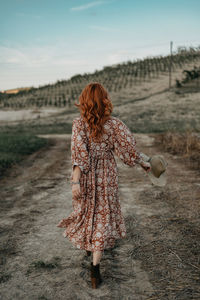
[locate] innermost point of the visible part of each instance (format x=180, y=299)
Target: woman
x=97, y=220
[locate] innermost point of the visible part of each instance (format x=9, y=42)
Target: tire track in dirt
x=157, y=260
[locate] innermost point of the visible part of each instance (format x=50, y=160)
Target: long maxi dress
x=96, y=220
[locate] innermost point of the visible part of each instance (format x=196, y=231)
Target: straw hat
x=157, y=174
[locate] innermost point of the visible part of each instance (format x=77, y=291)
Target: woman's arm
x=125, y=146
x=76, y=191
x=79, y=156
x=79, y=151
x=76, y=173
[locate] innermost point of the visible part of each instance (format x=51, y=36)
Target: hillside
x=139, y=92
x=122, y=81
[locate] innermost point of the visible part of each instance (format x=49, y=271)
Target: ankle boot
x=95, y=275
x=88, y=253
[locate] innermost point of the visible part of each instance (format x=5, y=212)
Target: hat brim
x=161, y=181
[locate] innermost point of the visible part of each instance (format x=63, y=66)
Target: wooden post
x=170, y=65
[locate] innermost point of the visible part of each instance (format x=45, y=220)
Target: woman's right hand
x=76, y=191
x=146, y=166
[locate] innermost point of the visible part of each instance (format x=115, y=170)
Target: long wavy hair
x=95, y=107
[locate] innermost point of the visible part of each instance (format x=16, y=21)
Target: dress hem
x=78, y=246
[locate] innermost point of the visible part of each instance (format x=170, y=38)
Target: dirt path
x=159, y=259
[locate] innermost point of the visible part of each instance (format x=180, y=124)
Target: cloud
x=37, y=57
x=24, y=56
x=87, y=6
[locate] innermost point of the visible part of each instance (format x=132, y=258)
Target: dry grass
x=185, y=144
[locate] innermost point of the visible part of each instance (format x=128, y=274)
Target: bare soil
x=7, y=116
x=159, y=259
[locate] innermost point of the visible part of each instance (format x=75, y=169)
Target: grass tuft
x=40, y=264
x=45, y=265
x=185, y=144
x=14, y=147
x=4, y=277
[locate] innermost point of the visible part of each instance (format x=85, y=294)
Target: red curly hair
x=95, y=107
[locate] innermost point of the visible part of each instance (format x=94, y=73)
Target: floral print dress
x=96, y=220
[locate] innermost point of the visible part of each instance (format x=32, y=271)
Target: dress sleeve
x=79, y=152
x=125, y=144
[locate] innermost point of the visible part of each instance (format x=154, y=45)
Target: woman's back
x=117, y=138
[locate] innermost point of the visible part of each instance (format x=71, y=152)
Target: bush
x=178, y=84
x=20, y=144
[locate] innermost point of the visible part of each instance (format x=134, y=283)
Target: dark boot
x=88, y=253
x=95, y=275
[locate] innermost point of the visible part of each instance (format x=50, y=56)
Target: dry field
x=159, y=259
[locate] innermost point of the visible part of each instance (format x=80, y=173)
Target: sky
x=42, y=41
